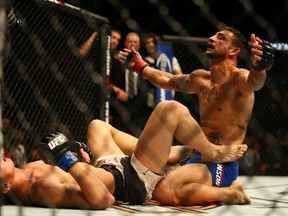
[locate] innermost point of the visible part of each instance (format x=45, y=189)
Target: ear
x=234, y=51
x=6, y=188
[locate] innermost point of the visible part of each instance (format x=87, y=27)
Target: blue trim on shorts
x=222, y=174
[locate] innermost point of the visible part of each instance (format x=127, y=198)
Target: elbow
x=257, y=82
x=257, y=86
x=103, y=203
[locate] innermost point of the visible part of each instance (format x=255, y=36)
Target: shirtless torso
x=225, y=92
x=225, y=110
x=47, y=185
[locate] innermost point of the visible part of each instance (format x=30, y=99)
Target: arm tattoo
x=257, y=82
x=183, y=82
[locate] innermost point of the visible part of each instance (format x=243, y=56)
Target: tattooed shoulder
x=183, y=83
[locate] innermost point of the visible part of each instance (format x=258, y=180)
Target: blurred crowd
x=267, y=150
x=133, y=99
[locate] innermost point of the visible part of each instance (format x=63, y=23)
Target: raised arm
x=157, y=77
x=262, y=59
x=162, y=79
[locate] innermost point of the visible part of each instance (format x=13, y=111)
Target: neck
x=20, y=185
x=221, y=71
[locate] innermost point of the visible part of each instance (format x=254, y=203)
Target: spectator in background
x=86, y=47
x=151, y=58
x=114, y=41
x=151, y=48
x=10, y=21
x=20, y=149
x=14, y=143
x=270, y=155
x=116, y=36
x=249, y=164
x=56, y=125
x=129, y=111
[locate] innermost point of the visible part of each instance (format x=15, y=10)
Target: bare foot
x=238, y=194
x=227, y=153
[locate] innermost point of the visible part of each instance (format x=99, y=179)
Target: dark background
x=267, y=19
x=42, y=53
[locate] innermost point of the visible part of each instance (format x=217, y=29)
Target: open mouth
x=210, y=46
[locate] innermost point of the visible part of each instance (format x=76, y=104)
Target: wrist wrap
x=258, y=73
x=67, y=161
x=139, y=66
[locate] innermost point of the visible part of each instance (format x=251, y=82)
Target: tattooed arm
x=256, y=81
x=248, y=82
x=186, y=83
x=262, y=59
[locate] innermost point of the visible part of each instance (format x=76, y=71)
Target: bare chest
x=210, y=94
x=46, y=173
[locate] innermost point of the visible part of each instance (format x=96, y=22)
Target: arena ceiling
x=197, y=18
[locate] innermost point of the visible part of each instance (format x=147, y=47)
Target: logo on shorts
x=219, y=175
x=99, y=163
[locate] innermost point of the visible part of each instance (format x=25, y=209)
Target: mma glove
x=267, y=57
x=84, y=147
x=58, y=149
x=139, y=65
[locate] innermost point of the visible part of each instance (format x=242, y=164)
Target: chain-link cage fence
x=55, y=80
x=267, y=133
x=54, y=77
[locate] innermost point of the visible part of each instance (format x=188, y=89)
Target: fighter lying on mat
x=129, y=178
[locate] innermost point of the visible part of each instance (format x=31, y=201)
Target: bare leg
x=181, y=188
x=103, y=139
x=197, y=193
x=179, y=153
x=172, y=118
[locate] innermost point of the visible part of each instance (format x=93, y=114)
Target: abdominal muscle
x=224, y=129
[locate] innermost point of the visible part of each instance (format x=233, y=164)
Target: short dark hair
x=239, y=41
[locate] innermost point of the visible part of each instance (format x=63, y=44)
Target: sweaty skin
x=40, y=184
x=90, y=187
x=177, y=188
x=225, y=91
x=226, y=98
